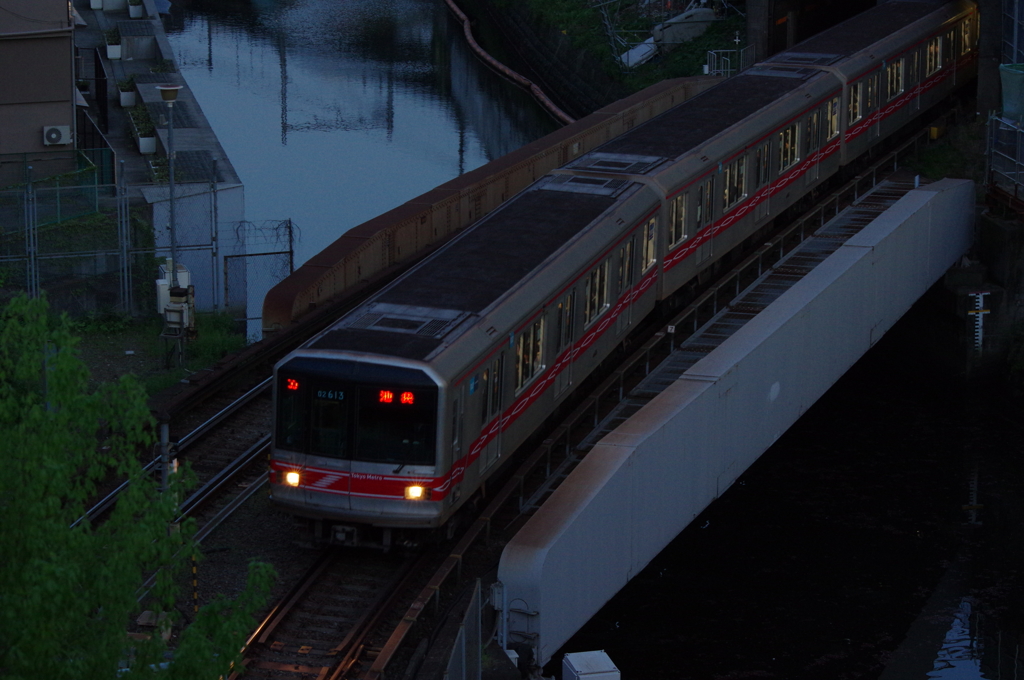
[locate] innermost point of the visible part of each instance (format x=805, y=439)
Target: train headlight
x=291, y=478
x=416, y=493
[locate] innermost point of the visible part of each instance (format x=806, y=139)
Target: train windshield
x=355, y=415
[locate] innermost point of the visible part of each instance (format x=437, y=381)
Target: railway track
x=319, y=629
x=226, y=453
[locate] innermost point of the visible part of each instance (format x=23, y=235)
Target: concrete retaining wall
x=642, y=484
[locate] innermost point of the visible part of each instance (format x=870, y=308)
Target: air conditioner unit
x=56, y=134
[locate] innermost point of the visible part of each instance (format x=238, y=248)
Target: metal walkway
x=755, y=298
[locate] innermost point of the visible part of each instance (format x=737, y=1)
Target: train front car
x=355, y=446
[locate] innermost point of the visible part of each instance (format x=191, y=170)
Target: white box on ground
x=589, y=666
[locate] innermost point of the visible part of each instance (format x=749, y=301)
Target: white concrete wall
x=643, y=483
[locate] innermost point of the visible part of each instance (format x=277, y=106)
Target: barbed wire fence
x=95, y=249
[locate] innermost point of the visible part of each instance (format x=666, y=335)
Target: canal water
x=334, y=112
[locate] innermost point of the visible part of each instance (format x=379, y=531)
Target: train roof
x=697, y=120
x=411, y=317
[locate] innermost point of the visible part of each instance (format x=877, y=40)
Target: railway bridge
x=720, y=400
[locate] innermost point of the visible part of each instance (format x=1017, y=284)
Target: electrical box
x=589, y=666
x=163, y=284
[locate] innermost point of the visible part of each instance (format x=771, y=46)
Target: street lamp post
x=170, y=95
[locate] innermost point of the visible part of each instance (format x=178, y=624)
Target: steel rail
x=225, y=413
x=222, y=478
x=186, y=441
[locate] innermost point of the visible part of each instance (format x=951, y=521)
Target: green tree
x=67, y=595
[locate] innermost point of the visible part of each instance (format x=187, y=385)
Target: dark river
x=334, y=112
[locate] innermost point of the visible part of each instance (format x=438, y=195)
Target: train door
x=490, y=384
x=813, y=144
x=625, y=279
x=565, y=334
x=762, y=179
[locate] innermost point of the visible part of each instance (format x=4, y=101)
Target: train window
x=705, y=191
x=894, y=78
x=933, y=56
x=947, y=46
x=913, y=68
x=854, y=108
x=762, y=163
x=965, y=36
x=870, y=92
x=529, y=352
x=625, y=267
x=564, y=313
x=596, y=293
x=789, y=145
x=832, y=118
x=485, y=393
x=813, y=131
x=395, y=432
x=328, y=427
x=735, y=182
x=650, y=244
x=497, y=371
x=677, y=220
x=291, y=418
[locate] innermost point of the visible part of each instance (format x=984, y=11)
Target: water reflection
x=960, y=656
x=333, y=112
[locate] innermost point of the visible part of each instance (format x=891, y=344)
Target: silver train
x=389, y=421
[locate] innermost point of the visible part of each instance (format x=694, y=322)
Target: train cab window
x=832, y=118
x=789, y=146
x=933, y=56
x=396, y=425
x=328, y=426
x=762, y=164
x=855, y=105
x=595, y=293
x=705, y=204
x=965, y=36
x=894, y=79
x=291, y=414
x=735, y=181
x=677, y=220
x=529, y=353
x=625, y=268
x=650, y=244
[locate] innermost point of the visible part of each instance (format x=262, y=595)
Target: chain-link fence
x=95, y=248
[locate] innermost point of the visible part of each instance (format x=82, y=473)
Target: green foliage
x=69, y=594
x=126, y=84
x=112, y=36
x=142, y=121
x=163, y=66
x=960, y=153
x=217, y=335
x=689, y=58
